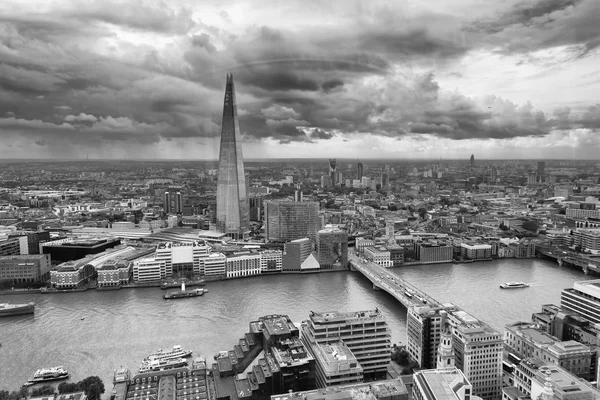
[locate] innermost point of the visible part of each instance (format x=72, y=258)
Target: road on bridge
x=402, y=290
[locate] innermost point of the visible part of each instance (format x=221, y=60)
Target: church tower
x=445, y=353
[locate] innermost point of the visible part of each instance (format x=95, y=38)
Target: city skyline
x=347, y=79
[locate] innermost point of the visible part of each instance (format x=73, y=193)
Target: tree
x=66, y=387
x=42, y=391
x=504, y=227
x=531, y=226
x=92, y=386
x=401, y=357
x=392, y=207
x=422, y=212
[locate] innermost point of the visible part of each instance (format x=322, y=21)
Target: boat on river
x=513, y=285
x=9, y=309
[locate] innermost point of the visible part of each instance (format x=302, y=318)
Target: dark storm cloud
x=415, y=42
x=276, y=80
x=332, y=84
x=136, y=15
x=203, y=41
x=320, y=134
x=589, y=119
x=533, y=25
x=524, y=13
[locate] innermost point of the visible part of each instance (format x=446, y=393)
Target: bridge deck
x=391, y=283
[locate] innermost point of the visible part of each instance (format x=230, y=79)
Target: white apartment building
x=149, y=269
x=243, y=265
x=379, y=256
x=215, y=265
x=183, y=258
x=271, y=261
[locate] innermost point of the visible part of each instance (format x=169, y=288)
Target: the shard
x=232, y=203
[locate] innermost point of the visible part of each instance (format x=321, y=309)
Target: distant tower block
x=332, y=171
x=472, y=160
x=233, y=215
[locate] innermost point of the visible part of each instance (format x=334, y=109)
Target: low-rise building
x=434, y=252
x=475, y=251
x=378, y=255
x=243, y=264
x=25, y=268
x=271, y=261
x=215, y=266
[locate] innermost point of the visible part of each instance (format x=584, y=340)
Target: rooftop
x=443, y=383
x=345, y=316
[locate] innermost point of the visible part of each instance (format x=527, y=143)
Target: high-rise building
x=359, y=171
x=366, y=333
x=583, y=299
x=424, y=328
x=332, y=248
x=233, y=216
x=332, y=171
x=541, y=168
x=291, y=220
x=173, y=198
x=478, y=354
x=472, y=160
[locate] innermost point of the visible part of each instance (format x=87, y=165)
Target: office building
x=291, y=220
x=73, y=274
x=298, y=257
x=241, y=265
x=526, y=340
x=359, y=171
x=333, y=171
x=271, y=261
x=424, y=328
x=335, y=365
x=173, y=201
x=441, y=384
x=554, y=383
x=149, y=269
x=25, y=268
x=389, y=389
x=476, y=251
x=587, y=239
x=183, y=259
x=583, y=299
x=326, y=181
x=233, y=216
x=541, y=168
x=472, y=160
x=10, y=247
x=71, y=249
x=434, y=252
x=215, y=266
x=478, y=354
x=379, y=255
x=332, y=248
x=366, y=333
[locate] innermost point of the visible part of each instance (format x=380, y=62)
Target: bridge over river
x=381, y=278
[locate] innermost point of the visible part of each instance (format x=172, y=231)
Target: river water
x=94, y=332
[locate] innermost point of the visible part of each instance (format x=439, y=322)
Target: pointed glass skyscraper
x=232, y=204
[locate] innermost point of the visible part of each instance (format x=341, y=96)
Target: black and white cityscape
x=299, y=200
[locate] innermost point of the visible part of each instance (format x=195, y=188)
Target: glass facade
x=232, y=203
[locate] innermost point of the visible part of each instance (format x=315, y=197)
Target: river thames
x=94, y=332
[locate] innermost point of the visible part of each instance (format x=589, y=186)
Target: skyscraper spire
x=232, y=203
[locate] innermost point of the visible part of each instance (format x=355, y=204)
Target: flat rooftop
x=443, y=383
x=333, y=316
x=591, y=287
x=390, y=389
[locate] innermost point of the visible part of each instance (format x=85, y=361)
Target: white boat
x=156, y=365
x=513, y=285
x=48, y=374
x=160, y=354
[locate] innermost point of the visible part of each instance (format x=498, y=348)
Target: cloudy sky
x=341, y=78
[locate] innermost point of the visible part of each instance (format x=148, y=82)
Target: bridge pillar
x=586, y=270
x=560, y=261
x=352, y=267
x=375, y=287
